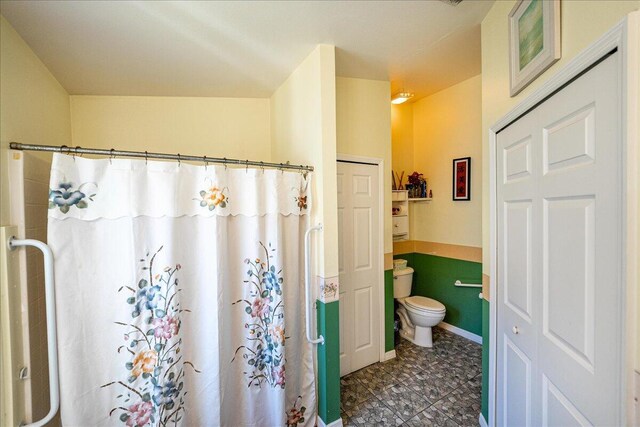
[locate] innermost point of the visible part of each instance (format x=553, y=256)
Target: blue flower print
x=147, y=298
x=263, y=349
x=271, y=281
x=66, y=196
x=165, y=394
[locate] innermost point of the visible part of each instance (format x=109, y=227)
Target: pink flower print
x=165, y=327
x=139, y=414
x=259, y=308
x=278, y=376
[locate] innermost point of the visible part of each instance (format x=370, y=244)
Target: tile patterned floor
x=437, y=386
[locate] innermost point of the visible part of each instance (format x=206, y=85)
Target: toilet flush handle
x=515, y=330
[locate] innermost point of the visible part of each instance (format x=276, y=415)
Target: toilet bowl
x=417, y=314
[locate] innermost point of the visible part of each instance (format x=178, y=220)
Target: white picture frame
x=534, y=41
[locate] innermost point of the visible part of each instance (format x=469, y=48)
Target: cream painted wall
x=582, y=23
x=447, y=125
x=217, y=127
x=364, y=129
x=402, y=139
x=303, y=130
x=34, y=108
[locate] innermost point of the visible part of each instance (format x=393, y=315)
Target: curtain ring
x=111, y=156
x=206, y=163
x=179, y=161
x=246, y=169
x=146, y=157
x=62, y=147
x=225, y=163
x=281, y=168
x=77, y=148
x=262, y=166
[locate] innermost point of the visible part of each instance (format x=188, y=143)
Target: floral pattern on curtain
x=179, y=293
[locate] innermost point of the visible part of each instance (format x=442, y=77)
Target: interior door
x=359, y=265
x=559, y=195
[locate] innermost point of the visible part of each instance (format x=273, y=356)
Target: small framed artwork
x=462, y=178
x=534, y=40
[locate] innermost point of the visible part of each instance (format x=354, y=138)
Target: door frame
x=375, y=161
x=623, y=37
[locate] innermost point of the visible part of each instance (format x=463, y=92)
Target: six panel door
x=559, y=195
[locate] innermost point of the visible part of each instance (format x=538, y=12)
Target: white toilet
x=417, y=314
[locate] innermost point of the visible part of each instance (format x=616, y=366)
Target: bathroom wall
x=303, y=130
x=582, y=22
x=364, y=129
x=445, y=236
x=446, y=125
x=217, y=127
x=34, y=108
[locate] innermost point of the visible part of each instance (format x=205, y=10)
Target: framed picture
x=534, y=40
x=462, y=178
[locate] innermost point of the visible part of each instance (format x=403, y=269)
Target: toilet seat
x=425, y=304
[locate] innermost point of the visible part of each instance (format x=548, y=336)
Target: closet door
x=359, y=265
x=559, y=264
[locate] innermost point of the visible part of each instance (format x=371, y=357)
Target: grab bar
x=467, y=285
x=307, y=283
x=54, y=390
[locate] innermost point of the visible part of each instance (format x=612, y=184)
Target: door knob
x=515, y=330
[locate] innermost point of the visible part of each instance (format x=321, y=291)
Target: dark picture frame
x=461, y=179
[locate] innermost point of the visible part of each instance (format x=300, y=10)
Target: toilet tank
x=402, y=279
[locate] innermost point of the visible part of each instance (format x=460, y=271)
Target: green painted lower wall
x=389, y=343
x=434, y=277
x=485, y=359
x=329, y=361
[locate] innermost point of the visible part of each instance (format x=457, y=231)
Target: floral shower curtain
x=180, y=294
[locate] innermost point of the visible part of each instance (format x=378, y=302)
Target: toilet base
x=420, y=336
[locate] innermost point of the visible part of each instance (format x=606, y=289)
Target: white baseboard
x=389, y=355
x=482, y=421
x=458, y=331
x=336, y=423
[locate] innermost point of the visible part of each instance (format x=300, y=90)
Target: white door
x=559, y=258
x=359, y=264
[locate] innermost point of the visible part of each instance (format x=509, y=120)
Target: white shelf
x=395, y=216
x=421, y=199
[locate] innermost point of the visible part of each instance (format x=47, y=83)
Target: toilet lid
x=424, y=303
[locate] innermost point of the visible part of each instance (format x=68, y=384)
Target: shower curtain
x=180, y=294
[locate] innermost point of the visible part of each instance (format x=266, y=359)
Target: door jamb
x=624, y=37
x=375, y=161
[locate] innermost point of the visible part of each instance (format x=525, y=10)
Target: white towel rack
x=307, y=283
x=467, y=285
x=52, y=350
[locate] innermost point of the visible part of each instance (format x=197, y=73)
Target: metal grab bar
x=467, y=285
x=307, y=283
x=54, y=385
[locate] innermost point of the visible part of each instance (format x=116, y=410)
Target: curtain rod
x=149, y=155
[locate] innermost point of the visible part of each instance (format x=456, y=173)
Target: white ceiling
x=246, y=48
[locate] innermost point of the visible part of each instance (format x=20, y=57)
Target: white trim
x=389, y=355
x=617, y=37
x=336, y=423
x=482, y=421
x=459, y=331
x=381, y=177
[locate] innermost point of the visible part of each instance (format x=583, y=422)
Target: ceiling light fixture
x=401, y=97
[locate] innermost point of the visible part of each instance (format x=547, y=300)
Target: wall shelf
x=401, y=218
x=421, y=199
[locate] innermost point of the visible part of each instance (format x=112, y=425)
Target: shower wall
x=36, y=194
x=34, y=108
x=29, y=183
